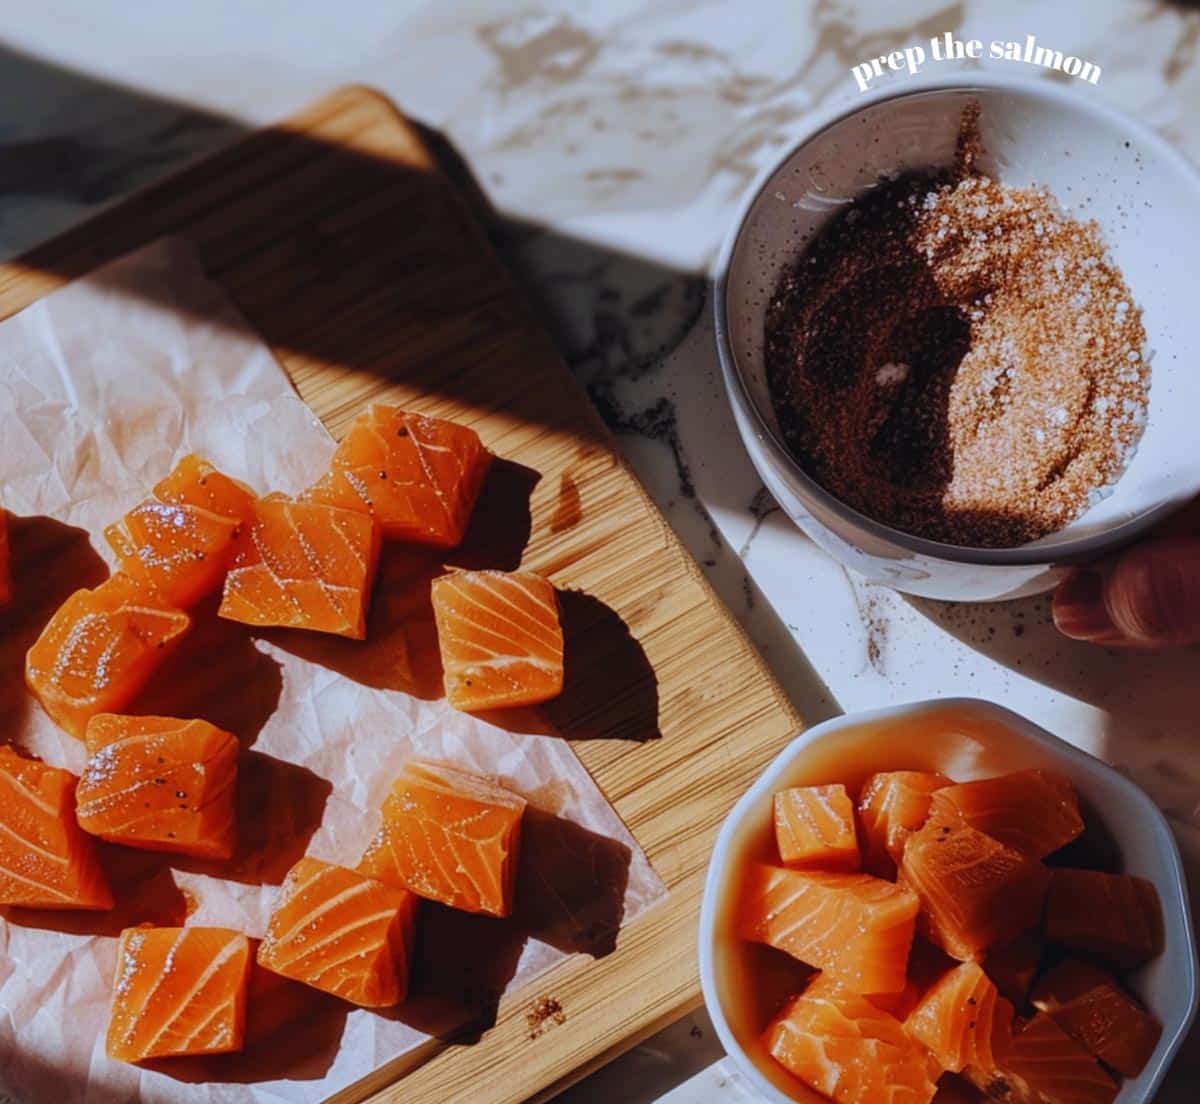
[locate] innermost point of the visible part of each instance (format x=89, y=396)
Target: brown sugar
x=959, y=359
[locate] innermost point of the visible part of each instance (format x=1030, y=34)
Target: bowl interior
x=1099, y=166
x=964, y=740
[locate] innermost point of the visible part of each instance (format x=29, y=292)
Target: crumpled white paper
x=104, y=385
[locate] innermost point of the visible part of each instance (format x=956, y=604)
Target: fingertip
x=1079, y=608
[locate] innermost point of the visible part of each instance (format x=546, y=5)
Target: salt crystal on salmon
x=958, y=1016
x=1114, y=917
x=343, y=933
x=891, y=806
x=160, y=784
x=840, y=1044
x=303, y=565
x=178, y=991
x=100, y=649
x=975, y=893
x=1033, y=811
x=46, y=860
x=180, y=541
x=1039, y=1063
x=1090, y=1005
x=450, y=836
x=418, y=477
x=500, y=638
x=814, y=828
x=856, y=928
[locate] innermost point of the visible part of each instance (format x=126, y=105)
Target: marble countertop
x=616, y=140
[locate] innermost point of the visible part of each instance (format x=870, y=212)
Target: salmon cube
x=342, y=933
x=1032, y=811
x=1090, y=1005
x=160, y=784
x=891, y=806
x=856, y=928
x=303, y=565
x=500, y=638
x=100, y=649
x=1039, y=1063
x=840, y=1044
x=180, y=542
x=975, y=893
x=178, y=991
x=1115, y=917
x=958, y=1017
x=449, y=836
x=46, y=861
x=418, y=477
x=1014, y=967
x=814, y=828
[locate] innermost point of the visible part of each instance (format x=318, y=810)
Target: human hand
x=1147, y=597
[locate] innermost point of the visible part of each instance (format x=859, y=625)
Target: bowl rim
x=1134, y=797
x=1078, y=549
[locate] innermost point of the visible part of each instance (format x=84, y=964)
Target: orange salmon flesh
x=449, y=836
x=160, y=784
x=418, y=477
x=500, y=638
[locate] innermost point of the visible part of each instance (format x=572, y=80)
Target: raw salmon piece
x=178, y=991
x=449, y=836
x=1090, y=1005
x=418, y=477
x=1032, y=811
x=180, y=542
x=893, y=805
x=842, y=1045
x=1014, y=967
x=975, y=893
x=343, y=933
x=500, y=638
x=160, y=784
x=5, y=577
x=814, y=828
x=99, y=649
x=1115, y=917
x=46, y=861
x=957, y=1018
x=303, y=565
x=1040, y=1064
x=856, y=928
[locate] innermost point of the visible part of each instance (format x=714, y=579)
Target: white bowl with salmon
x=945, y=898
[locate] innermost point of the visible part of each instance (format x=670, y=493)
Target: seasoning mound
x=959, y=359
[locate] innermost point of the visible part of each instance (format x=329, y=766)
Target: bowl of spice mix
x=957, y=328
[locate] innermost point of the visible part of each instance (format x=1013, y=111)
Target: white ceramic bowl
x=1098, y=162
x=964, y=739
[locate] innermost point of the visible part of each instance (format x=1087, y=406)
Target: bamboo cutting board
x=352, y=255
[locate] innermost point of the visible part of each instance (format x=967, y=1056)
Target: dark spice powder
x=959, y=359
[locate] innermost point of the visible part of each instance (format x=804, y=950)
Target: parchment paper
x=104, y=385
